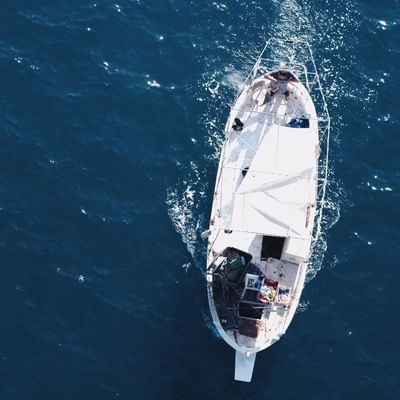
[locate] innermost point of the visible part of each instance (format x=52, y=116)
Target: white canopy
x=273, y=197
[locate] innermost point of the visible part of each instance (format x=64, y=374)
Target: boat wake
x=184, y=202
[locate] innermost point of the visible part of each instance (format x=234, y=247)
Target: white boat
x=267, y=204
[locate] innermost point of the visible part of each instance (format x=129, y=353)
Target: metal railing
x=306, y=71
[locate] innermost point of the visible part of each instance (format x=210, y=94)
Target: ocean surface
x=111, y=121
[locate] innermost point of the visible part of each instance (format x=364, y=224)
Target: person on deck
x=279, y=80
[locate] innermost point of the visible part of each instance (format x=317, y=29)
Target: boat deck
x=270, y=324
x=260, y=114
x=259, y=111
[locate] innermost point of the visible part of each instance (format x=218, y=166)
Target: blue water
x=111, y=118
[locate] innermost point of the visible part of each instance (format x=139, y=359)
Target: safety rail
x=313, y=83
x=307, y=72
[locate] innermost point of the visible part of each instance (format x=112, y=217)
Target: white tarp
x=273, y=197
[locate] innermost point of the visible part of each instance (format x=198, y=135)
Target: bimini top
x=273, y=196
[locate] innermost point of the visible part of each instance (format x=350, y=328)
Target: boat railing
x=311, y=78
x=270, y=117
x=307, y=72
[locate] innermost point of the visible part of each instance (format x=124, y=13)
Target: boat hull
x=262, y=218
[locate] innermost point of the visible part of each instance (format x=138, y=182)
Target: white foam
x=153, y=83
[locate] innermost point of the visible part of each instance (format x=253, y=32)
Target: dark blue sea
x=111, y=121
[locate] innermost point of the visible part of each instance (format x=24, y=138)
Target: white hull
x=262, y=219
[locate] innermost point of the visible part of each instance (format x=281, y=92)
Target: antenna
x=255, y=69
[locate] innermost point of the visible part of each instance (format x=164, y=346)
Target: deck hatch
x=272, y=246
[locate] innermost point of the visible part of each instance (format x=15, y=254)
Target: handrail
x=313, y=84
x=326, y=120
x=269, y=113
